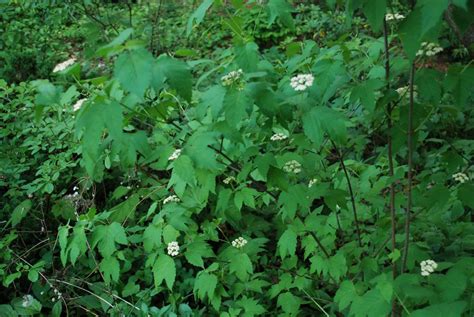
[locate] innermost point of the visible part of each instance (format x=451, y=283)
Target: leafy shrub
x=232, y=186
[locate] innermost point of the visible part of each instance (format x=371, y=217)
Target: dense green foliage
x=159, y=158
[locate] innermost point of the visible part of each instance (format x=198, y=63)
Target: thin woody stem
x=410, y=171
x=390, y=159
x=351, y=192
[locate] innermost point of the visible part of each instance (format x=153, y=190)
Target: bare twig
x=410, y=171
x=351, y=192
x=390, y=158
x=321, y=246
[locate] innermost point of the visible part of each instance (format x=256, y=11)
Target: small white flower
x=229, y=180
x=239, y=243
x=173, y=248
x=460, y=177
x=27, y=301
x=396, y=16
x=175, y=155
x=292, y=166
x=232, y=77
x=171, y=199
x=278, y=137
x=62, y=66
x=301, y=82
x=405, y=91
x=312, y=182
x=428, y=267
x=429, y=49
x=78, y=104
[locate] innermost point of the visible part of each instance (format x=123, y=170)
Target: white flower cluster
x=58, y=295
x=460, y=177
x=428, y=267
x=395, y=16
x=278, y=137
x=312, y=182
x=27, y=301
x=78, y=104
x=62, y=66
x=239, y=243
x=171, y=199
x=405, y=91
x=232, y=77
x=292, y=167
x=229, y=180
x=429, y=49
x=301, y=82
x=173, y=248
x=174, y=155
x=75, y=197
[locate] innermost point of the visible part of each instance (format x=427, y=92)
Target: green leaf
x=251, y=307
x=276, y=177
x=196, y=250
x=247, y=57
x=10, y=278
x=345, y=294
x=110, y=268
x=337, y=265
x=92, y=121
x=33, y=275
x=236, y=103
x=212, y=99
x=151, y=238
x=133, y=70
x=164, y=269
x=7, y=311
x=241, y=265
x=20, y=212
x=375, y=10
x=112, y=46
x=105, y=238
x=460, y=81
x=29, y=307
x=183, y=167
x=198, y=15
x=62, y=238
x=177, y=75
x=197, y=148
x=57, y=309
x=48, y=94
x=282, y=10
x=465, y=194
x=431, y=12
x=287, y=243
x=78, y=244
x=428, y=84
x=289, y=303
x=205, y=285
x=371, y=304
x=454, y=309
x=452, y=285
x=366, y=93
x=124, y=210
x=420, y=23
x=322, y=120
